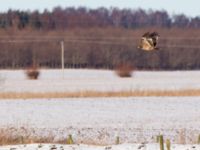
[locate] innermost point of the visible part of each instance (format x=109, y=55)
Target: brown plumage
x=149, y=41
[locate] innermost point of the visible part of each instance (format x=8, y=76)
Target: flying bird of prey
x=149, y=41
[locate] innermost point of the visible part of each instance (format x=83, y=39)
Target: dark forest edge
x=97, y=38
x=64, y=18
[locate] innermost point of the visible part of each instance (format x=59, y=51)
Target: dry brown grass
x=84, y=94
x=7, y=138
x=22, y=135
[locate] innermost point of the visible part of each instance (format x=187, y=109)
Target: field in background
x=98, y=83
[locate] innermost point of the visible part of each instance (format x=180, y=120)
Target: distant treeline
x=97, y=38
x=64, y=18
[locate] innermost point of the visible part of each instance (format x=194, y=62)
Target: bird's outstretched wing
x=146, y=35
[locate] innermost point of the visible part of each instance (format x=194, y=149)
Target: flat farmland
x=71, y=80
x=100, y=120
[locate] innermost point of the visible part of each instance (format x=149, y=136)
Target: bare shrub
x=124, y=70
x=33, y=73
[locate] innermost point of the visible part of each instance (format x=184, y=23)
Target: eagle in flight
x=149, y=41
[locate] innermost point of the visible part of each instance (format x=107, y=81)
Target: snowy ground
x=90, y=147
x=97, y=80
x=100, y=120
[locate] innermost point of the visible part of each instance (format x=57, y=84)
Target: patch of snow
x=93, y=147
x=97, y=80
x=100, y=120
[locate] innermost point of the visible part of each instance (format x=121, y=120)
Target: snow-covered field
x=97, y=80
x=101, y=120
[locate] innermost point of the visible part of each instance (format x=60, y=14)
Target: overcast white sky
x=188, y=7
